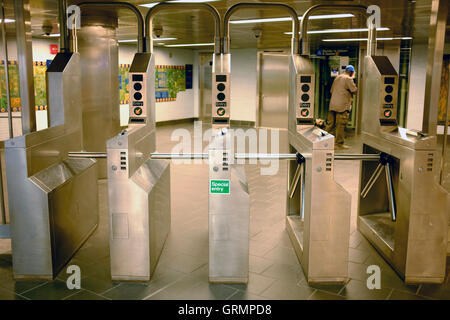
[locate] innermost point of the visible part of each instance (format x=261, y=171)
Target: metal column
x=25, y=60
x=438, y=22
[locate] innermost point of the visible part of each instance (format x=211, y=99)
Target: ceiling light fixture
x=190, y=45
x=150, y=5
x=8, y=20
x=365, y=39
x=317, y=17
x=341, y=30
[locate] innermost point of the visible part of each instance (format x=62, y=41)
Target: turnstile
x=402, y=212
x=229, y=200
x=53, y=200
x=229, y=212
x=318, y=208
x=138, y=187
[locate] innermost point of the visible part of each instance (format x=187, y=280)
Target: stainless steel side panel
x=139, y=213
x=229, y=231
x=52, y=213
x=98, y=47
x=321, y=238
x=420, y=233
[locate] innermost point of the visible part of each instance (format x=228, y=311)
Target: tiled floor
x=182, y=272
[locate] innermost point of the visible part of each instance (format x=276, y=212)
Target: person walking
x=342, y=92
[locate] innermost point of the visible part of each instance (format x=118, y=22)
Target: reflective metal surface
x=436, y=42
x=25, y=60
x=318, y=213
x=229, y=216
x=229, y=210
x=318, y=210
x=98, y=48
x=273, y=89
x=53, y=201
x=415, y=244
x=138, y=187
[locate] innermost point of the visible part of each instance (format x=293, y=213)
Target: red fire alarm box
x=53, y=48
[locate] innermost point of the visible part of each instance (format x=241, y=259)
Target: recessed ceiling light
x=317, y=17
x=150, y=5
x=190, y=45
x=340, y=30
x=365, y=39
x=163, y=39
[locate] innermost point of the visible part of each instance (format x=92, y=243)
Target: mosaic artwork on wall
x=124, y=83
x=169, y=80
x=40, y=87
x=444, y=90
x=13, y=84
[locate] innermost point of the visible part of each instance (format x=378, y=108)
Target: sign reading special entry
x=219, y=186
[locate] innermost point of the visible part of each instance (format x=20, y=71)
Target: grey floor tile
x=286, y=290
x=53, y=290
x=10, y=295
x=330, y=288
x=357, y=290
x=258, y=264
x=282, y=255
x=242, y=295
x=184, y=263
x=435, y=291
x=399, y=295
x=256, y=284
x=357, y=256
x=97, y=285
x=129, y=291
x=19, y=286
x=85, y=295
x=286, y=272
x=323, y=295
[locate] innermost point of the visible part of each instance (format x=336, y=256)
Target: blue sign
x=189, y=76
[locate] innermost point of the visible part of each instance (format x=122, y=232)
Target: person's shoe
x=341, y=147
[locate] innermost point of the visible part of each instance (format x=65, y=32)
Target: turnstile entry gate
x=318, y=208
x=53, y=200
x=229, y=208
x=403, y=213
x=138, y=187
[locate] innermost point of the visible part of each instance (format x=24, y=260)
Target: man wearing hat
x=342, y=92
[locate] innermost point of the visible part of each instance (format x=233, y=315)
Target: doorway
x=273, y=89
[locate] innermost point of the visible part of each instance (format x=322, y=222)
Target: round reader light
x=389, y=89
x=137, y=96
x=220, y=97
x=137, y=86
x=220, y=87
x=305, y=88
x=388, y=98
x=305, y=97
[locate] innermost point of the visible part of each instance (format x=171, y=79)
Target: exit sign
x=219, y=186
x=53, y=48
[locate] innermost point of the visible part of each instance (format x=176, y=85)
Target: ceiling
x=402, y=17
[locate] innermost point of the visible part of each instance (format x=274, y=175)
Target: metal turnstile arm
x=297, y=175
x=372, y=180
x=391, y=194
x=385, y=162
